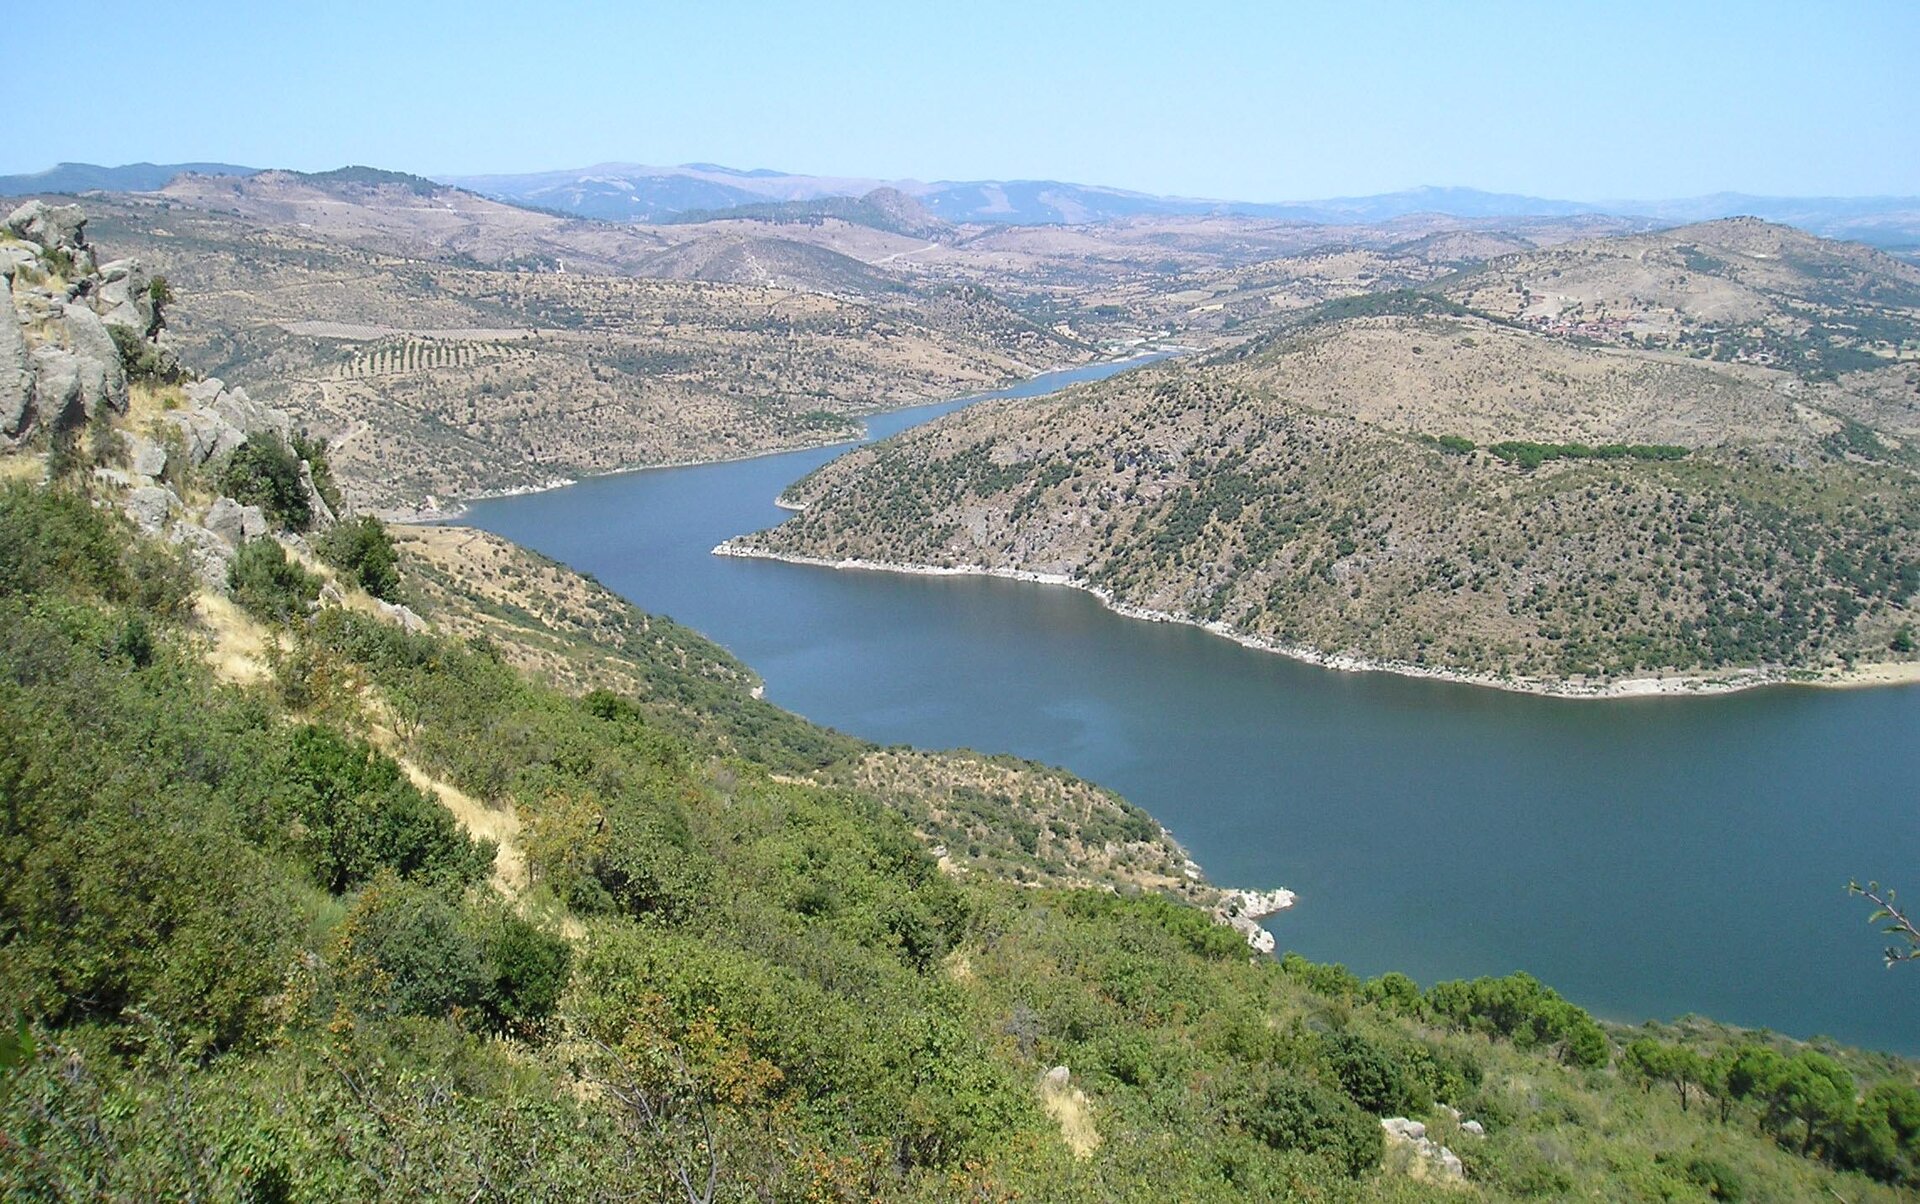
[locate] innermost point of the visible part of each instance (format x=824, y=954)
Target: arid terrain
x=1402, y=480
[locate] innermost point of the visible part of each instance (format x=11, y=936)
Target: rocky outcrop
x=54, y=227
x=59, y=366
x=1427, y=1158
x=1242, y=911
x=124, y=296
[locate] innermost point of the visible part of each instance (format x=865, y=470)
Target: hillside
x=1398, y=480
x=437, y=378
x=351, y=863
x=1739, y=290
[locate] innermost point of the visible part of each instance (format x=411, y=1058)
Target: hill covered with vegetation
x=1402, y=479
x=524, y=895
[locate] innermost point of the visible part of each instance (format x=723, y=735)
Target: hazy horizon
x=1238, y=102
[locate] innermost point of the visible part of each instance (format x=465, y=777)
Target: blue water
x=1646, y=857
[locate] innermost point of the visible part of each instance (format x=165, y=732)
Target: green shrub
x=1716, y=1178
x=406, y=952
x=142, y=360
x=269, y=586
x=362, y=549
x=263, y=472
x=357, y=814
x=527, y=970
x=1294, y=1114
x=1371, y=1075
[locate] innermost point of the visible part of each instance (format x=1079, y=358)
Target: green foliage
x=141, y=359
x=1373, y=1076
x=528, y=970
x=1519, y=1008
x=356, y=814
x=1292, y=1113
x=267, y=584
x=771, y=973
x=406, y=952
x=1530, y=456
x=264, y=472
x=361, y=549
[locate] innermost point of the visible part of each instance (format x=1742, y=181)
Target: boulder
x=401, y=616
x=206, y=552
x=1427, y=1159
x=233, y=523
x=144, y=456
x=86, y=336
x=62, y=382
x=16, y=376
x=13, y=257
x=322, y=513
x=151, y=506
x=61, y=226
x=121, y=298
x=1474, y=1127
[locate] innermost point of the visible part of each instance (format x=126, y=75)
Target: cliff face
x=74, y=336
x=59, y=359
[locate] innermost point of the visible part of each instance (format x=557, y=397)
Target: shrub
x=1293, y=1114
x=357, y=815
x=268, y=585
x=1371, y=1075
x=263, y=472
x=528, y=970
x=362, y=549
x=405, y=951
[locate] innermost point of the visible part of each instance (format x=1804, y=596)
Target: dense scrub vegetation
x=255, y=958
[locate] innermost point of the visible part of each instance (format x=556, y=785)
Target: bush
x=357, y=815
x=1372, y=1076
x=1293, y=1114
x=263, y=472
x=141, y=360
x=269, y=586
x=362, y=549
x=528, y=971
x=405, y=951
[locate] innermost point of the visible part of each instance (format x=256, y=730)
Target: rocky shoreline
x=1728, y=682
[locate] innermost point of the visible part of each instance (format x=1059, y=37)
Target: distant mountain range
x=130, y=177
x=631, y=192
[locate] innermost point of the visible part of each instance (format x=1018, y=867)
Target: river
x=1646, y=857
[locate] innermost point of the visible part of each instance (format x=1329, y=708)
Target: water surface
x=1646, y=857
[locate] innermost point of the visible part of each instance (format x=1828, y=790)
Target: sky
x=1246, y=101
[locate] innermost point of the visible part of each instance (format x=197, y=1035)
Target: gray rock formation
x=235, y=523
x=16, y=376
x=122, y=297
x=322, y=513
x=145, y=457
x=62, y=381
x=1432, y=1160
x=86, y=336
x=206, y=552
x=54, y=228
x=151, y=506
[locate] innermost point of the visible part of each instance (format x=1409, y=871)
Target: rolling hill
x=1407, y=481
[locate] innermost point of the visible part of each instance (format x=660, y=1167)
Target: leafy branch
x=1892, y=920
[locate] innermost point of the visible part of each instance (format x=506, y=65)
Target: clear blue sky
x=1255, y=101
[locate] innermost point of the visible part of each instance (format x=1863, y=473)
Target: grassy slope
x=768, y=971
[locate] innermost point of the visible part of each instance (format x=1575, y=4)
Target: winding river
x=1647, y=857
